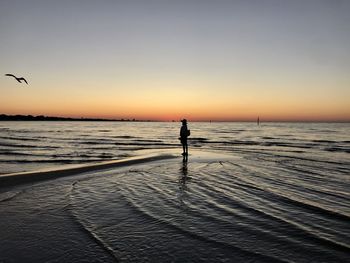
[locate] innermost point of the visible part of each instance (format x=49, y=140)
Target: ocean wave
x=145, y=144
x=16, y=145
x=253, y=143
x=7, y=196
x=337, y=149
x=323, y=141
x=62, y=161
x=12, y=145
x=124, y=137
x=271, y=156
x=8, y=153
x=19, y=138
x=291, y=145
x=198, y=139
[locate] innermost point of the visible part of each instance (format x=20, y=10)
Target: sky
x=223, y=60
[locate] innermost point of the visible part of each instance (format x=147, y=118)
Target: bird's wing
x=10, y=75
x=19, y=79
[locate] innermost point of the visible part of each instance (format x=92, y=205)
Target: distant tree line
x=4, y=117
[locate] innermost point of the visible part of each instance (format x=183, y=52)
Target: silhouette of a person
x=184, y=133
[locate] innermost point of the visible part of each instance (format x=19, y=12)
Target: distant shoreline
x=4, y=117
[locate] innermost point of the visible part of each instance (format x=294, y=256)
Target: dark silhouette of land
x=18, y=79
x=4, y=117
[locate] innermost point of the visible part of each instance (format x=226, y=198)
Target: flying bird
x=18, y=79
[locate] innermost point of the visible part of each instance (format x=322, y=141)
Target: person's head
x=184, y=122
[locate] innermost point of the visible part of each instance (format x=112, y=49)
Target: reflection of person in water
x=182, y=183
x=184, y=169
x=184, y=133
x=183, y=177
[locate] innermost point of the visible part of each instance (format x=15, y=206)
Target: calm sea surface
x=281, y=194
x=34, y=145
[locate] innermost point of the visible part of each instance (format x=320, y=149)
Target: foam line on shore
x=32, y=176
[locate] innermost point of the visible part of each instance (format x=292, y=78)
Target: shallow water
x=274, y=193
x=217, y=211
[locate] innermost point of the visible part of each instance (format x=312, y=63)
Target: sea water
x=26, y=146
x=278, y=192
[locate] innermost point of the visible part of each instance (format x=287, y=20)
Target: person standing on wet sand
x=184, y=133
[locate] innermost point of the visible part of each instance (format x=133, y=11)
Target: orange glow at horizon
x=164, y=98
x=200, y=111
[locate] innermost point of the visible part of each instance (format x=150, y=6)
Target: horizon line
x=87, y=118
